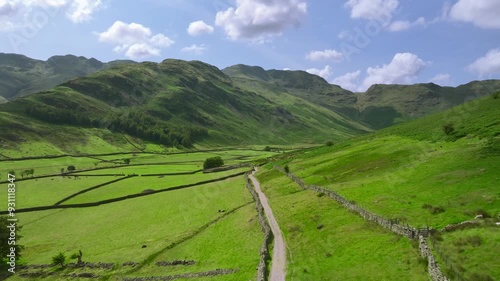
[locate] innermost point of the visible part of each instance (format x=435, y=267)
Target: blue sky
x=353, y=43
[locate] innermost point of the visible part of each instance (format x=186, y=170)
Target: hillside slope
x=21, y=76
x=171, y=103
x=437, y=171
x=379, y=107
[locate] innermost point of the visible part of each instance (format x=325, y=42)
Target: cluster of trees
x=133, y=122
x=61, y=116
x=141, y=124
x=213, y=162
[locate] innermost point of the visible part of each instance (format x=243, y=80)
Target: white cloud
x=441, y=78
x=399, y=25
x=349, y=81
x=136, y=40
x=489, y=64
x=380, y=10
x=403, y=69
x=260, y=19
x=141, y=50
x=325, y=72
x=194, y=49
x=82, y=10
x=14, y=12
x=199, y=27
x=482, y=13
x=325, y=55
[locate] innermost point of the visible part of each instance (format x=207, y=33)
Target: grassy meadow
x=181, y=224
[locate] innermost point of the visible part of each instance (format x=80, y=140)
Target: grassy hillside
x=22, y=76
x=385, y=105
x=379, y=107
x=423, y=176
x=173, y=103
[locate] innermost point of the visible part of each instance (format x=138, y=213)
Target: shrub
x=71, y=168
x=496, y=95
x=59, y=259
x=213, y=162
x=287, y=169
x=448, y=128
x=126, y=161
x=267, y=148
x=329, y=143
x=12, y=172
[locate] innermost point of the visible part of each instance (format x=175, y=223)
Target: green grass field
x=180, y=224
x=345, y=248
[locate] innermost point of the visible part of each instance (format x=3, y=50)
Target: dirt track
x=278, y=266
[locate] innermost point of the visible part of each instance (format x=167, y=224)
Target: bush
x=287, y=169
x=213, y=162
x=448, y=128
x=267, y=148
x=329, y=143
x=126, y=161
x=71, y=168
x=496, y=95
x=59, y=259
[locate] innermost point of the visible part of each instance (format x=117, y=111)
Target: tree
x=71, y=168
x=329, y=143
x=126, y=161
x=267, y=148
x=62, y=170
x=213, y=162
x=59, y=259
x=7, y=242
x=12, y=172
x=287, y=169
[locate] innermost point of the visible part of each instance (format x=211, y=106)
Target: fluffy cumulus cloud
x=194, y=49
x=328, y=54
x=487, y=65
x=325, y=72
x=199, y=27
x=482, y=13
x=399, y=25
x=135, y=40
x=258, y=20
x=403, y=69
x=349, y=81
x=14, y=12
x=380, y=10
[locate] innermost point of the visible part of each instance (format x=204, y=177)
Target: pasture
x=209, y=224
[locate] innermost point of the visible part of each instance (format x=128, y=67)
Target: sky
x=351, y=43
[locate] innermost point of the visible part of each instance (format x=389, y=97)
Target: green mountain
x=379, y=107
x=170, y=103
x=121, y=105
x=384, y=105
x=21, y=76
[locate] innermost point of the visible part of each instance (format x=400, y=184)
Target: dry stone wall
x=432, y=265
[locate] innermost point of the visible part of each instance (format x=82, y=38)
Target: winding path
x=278, y=266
